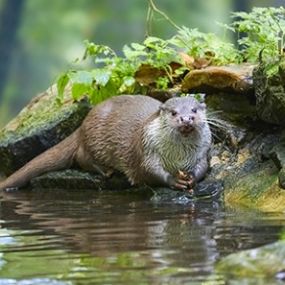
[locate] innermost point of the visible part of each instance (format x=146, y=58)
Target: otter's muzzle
x=186, y=126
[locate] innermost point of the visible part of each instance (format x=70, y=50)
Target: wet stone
x=265, y=261
x=39, y=126
x=67, y=179
x=205, y=190
x=278, y=155
x=281, y=178
x=73, y=179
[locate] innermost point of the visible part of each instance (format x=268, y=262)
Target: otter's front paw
x=183, y=181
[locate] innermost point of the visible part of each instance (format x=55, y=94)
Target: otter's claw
x=181, y=184
x=184, y=181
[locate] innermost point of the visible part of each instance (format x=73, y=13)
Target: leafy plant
x=113, y=74
x=202, y=45
x=110, y=76
x=264, y=34
x=263, y=30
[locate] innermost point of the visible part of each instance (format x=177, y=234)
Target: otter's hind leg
x=86, y=162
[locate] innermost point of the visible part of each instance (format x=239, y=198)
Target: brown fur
x=56, y=158
x=112, y=136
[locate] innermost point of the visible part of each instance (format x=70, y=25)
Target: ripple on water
x=50, y=237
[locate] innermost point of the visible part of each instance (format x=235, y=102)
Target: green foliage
x=264, y=30
x=162, y=83
x=112, y=74
x=282, y=235
x=160, y=52
x=206, y=45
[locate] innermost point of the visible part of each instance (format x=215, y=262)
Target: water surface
x=87, y=237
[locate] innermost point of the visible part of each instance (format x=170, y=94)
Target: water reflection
x=86, y=237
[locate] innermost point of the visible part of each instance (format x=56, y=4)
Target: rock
x=73, y=179
x=247, y=155
x=237, y=78
x=281, y=178
x=209, y=189
x=265, y=262
x=278, y=156
x=67, y=179
x=40, y=125
x=247, y=158
x=251, y=179
x=256, y=188
x=205, y=190
x=237, y=109
x=2, y=176
x=263, y=143
x=268, y=79
x=254, y=185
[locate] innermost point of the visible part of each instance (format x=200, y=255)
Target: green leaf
x=101, y=76
x=95, y=50
x=81, y=76
x=61, y=84
x=78, y=90
x=152, y=40
x=129, y=81
x=137, y=46
x=102, y=93
x=133, y=53
x=162, y=83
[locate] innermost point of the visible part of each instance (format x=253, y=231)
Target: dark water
x=86, y=237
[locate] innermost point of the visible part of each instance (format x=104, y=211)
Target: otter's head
x=184, y=115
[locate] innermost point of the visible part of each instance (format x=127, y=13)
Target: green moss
x=40, y=125
x=258, y=189
x=265, y=261
x=42, y=112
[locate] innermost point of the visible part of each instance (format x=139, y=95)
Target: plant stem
x=148, y=21
x=155, y=9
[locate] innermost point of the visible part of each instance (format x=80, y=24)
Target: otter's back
x=112, y=128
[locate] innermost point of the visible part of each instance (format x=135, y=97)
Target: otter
x=153, y=143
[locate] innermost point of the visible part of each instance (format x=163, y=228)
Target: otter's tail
x=58, y=157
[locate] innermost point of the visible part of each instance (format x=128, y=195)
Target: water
x=87, y=237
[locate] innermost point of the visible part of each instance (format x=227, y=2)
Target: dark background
x=39, y=39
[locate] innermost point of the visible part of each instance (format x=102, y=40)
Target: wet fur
x=131, y=134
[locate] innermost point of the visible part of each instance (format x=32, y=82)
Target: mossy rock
x=74, y=179
x=257, y=189
x=251, y=178
x=264, y=262
x=269, y=82
x=40, y=125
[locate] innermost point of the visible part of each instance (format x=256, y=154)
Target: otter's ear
x=202, y=106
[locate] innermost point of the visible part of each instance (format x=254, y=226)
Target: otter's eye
x=173, y=113
x=194, y=110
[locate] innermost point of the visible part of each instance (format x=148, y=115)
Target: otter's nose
x=187, y=120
